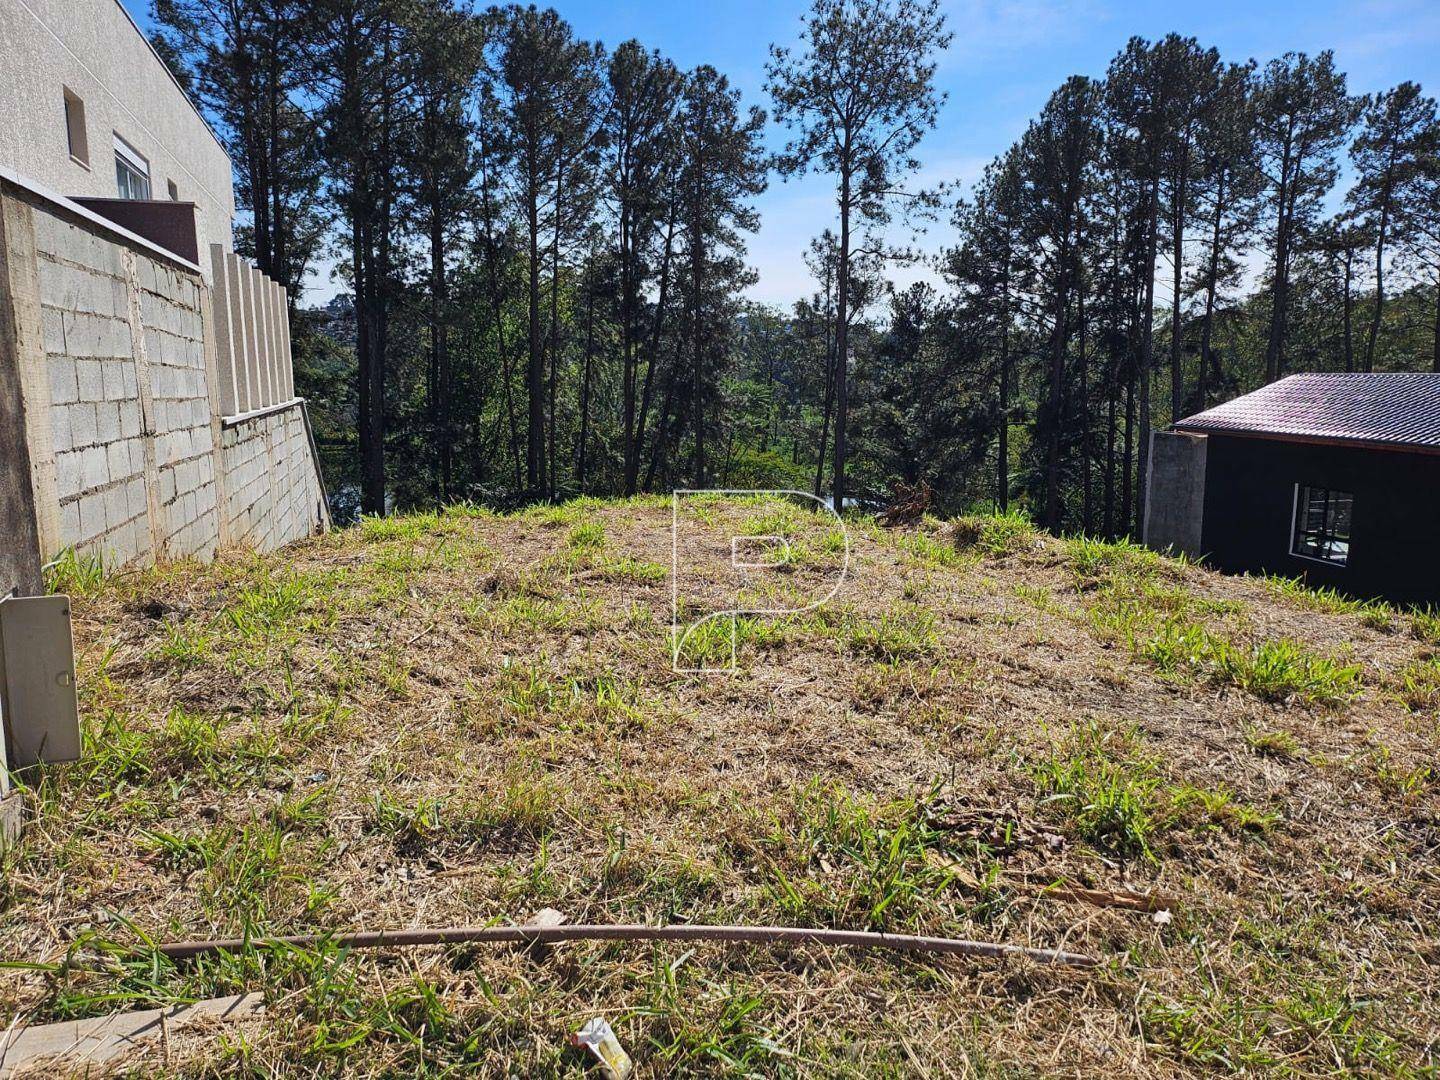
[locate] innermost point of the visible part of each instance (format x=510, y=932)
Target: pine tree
x=640, y=166
x=1386, y=155
x=859, y=96
x=724, y=167
x=546, y=82
x=243, y=60
x=1303, y=114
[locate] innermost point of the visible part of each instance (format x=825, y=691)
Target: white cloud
x=996, y=29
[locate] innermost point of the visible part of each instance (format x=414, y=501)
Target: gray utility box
x=37, y=680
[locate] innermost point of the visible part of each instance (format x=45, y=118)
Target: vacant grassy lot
x=466, y=717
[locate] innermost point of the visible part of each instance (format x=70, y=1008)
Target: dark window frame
x=1325, y=540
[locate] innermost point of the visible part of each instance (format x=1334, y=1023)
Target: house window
x=132, y=172
x=172, y=190
x=1322, y=524
x=75, y=128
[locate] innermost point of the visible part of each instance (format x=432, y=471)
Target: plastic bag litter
x=600, y=1038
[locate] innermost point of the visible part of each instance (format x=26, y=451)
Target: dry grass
x=462, y=718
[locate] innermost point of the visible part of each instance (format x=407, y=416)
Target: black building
x=1331, y=477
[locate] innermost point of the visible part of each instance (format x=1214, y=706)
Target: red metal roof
x=1390, y=408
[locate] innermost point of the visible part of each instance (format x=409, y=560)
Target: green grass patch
x=712, y=643
x=904, y=632
x=413, y=527
x=846, y=859
x=1093, y=561
x=996, y=534
x=928, y=549
x=75, y=574
x=624, y=568
x=1113, y=794
x=1420, y=686
x=244, y=870
x=1109, y=793
x=1278, y=670
x=1425, y=625
x=515, y=816
x=570, y=702
x=586, y=537
x=1270, y=743
x=1230, y=1028
x=272, y=606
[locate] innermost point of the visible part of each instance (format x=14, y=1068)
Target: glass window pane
x=1322, y=524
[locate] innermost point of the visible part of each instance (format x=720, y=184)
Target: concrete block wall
x=130, y=456
x=96, y=419
x=273, y=491
x=184, y=443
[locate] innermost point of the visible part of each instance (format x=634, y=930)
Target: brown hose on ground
x=797, y=935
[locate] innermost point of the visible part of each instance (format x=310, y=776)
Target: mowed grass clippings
x=465, y=717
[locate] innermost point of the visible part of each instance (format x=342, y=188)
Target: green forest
x=541, y=242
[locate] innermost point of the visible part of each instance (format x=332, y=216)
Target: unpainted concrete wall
x=131, y=459
x=272, y=491
x=114, y=320
x=1175, y=493
x=19, y=543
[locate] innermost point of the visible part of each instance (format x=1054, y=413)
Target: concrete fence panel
x=253, y=347
x=234, y=370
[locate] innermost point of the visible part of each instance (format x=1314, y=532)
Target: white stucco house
x=88, y=110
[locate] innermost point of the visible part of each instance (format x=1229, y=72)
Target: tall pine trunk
x=535, y=367
x=697, y=255
x=829, y=355
x=583, y=441
x=554, y=346
x=1212, y=276
x=1280, y=287
x=1349, y=313
x=1055, y=394
x=1147, y=352
x=439, y=349
x=1002, y=451
x=1435, y=346
x=1177, y=258
x=842, y=340
x=632, y=471
x=1086, y=496
x=1112, y=394
x=1379, y=277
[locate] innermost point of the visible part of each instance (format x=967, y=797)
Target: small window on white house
x=1321, y=527
x=75, y=128
x=132, y=171
x=172, y=190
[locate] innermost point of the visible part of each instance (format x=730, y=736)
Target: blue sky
x=1008, y=55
